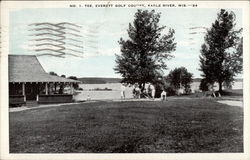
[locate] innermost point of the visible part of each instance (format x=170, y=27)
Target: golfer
x=123, y=88
x=164, y=95
x=137, y=91
x=152, y=88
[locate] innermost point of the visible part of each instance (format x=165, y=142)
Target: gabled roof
x=27, y=68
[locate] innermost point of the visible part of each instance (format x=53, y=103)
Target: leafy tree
x=61, y=85
x=75, y=85
x=221, y=54
x=55, y=84
x=53, y=73
x=144, y=53
x=73, y=77
x=180, y=77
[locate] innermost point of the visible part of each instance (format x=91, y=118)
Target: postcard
x=124, y=80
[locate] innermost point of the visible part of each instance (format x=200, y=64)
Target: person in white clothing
x=123, y=89
x=164, y=95
x=152, y=88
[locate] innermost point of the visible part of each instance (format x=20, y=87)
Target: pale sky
x=106, y=27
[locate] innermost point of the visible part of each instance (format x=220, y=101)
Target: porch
x=40, y=92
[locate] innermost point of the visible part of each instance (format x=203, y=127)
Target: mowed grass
x=192, y=125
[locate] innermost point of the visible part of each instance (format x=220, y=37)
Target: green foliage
x=159, y=87
x=204, y=85
x=99, y=80
x=180, y=77
x=221, y=54
x=53, y=73
x=143, y=55
x=75, y=85
x=171, y=91
x=73, y=77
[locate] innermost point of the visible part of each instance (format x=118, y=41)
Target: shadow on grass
x=238, y=92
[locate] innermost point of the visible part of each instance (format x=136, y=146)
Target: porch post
x=46, y=88
x=71, y=88
x=23, y=92
x=55, y=85
x=23, y=87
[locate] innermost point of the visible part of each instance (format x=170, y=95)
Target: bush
x=178, y=78
x=188, y=89
x=158, y=90
x=204, y=85
x=170, y=91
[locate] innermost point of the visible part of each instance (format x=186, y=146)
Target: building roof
x=27, y=68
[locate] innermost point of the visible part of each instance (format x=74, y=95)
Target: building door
x=31, y=91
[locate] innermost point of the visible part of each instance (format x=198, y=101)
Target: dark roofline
x=21, y=55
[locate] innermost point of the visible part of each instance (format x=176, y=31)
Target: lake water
x=115, y=93
x=89, y=90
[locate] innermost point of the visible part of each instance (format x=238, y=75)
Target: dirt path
x=237, y=103
x=232, y=103
x=23, y=108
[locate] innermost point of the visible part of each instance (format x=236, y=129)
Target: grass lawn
x=191, y=125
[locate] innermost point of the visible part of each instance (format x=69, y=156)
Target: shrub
x=204, y=85
x=178, y=78
x=171, y=91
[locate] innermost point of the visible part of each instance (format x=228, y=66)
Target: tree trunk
x=143, y=87
x=220, y=87
x=55, y=87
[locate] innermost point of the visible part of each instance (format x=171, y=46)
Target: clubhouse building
x=28, y=82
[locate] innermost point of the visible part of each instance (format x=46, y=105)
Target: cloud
x=190, y=44
x=185, y=56
x=119, y=33
x=101, y=52
x=27, y=47
x=110, y=51
x=183, y=43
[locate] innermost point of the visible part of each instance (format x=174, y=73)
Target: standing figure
x=163, y=95
x=137, y=91
x=88, y=98
x=152, y=88
x=123, y=88
x=211, y=88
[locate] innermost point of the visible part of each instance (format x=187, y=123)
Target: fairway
x=179, y=125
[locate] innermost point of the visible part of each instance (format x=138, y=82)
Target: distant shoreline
x=99, y=80
x=104, y=80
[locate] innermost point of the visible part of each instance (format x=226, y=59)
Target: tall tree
x=143, y=55
x=180, y=77
x=221, y=54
